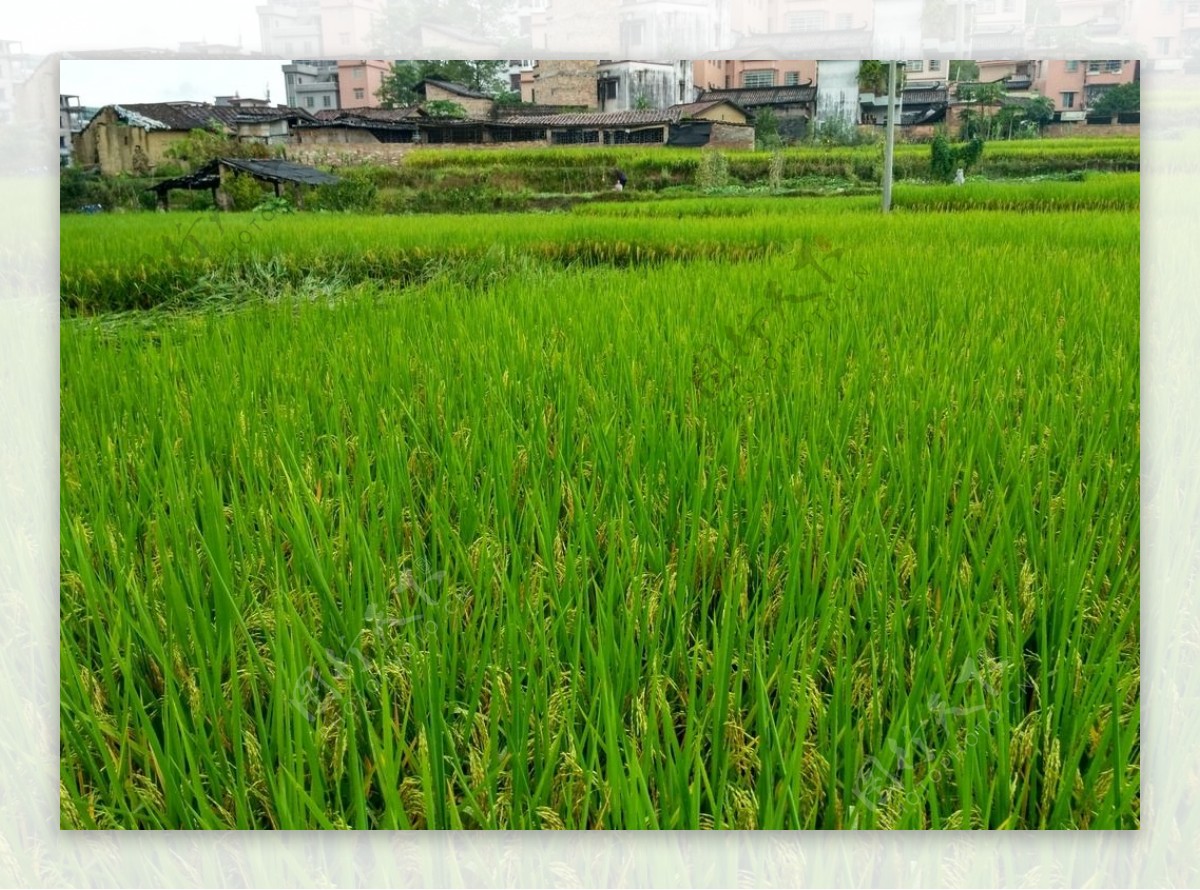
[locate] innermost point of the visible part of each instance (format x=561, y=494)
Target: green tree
x=200, y=146
x=977, y=119
x=1126, y=97
x=399, y=87
x=945, y=159
x=873, y=76
x=963, y=69
x=766, y=129
x=445, y=109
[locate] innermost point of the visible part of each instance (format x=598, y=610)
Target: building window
x=1193, y=7
x=791, y=79
x=308, y=46
x=935, y=64
x=1162, y=45
x=798, y=22
x=344, y=37
x=291, y=79
x=308, y=101
x=1068, y=100
x=359, y=93
x=608, y=88
x=62, y=141
x=358, y=74
x=844, y=21
x=631, y=33
x=327, y=101
x=761, y=78
x=682, y=91
x=1114, y=66
x=1010, y=6
x=1072, y=66
x=287, y=47
x=914, y=65
x=987, y=7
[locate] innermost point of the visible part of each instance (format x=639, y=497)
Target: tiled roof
x=599, y=119
x=691, y=109
x=647, y=118
x=193, y=115
x=752, y=96
x=457, y=88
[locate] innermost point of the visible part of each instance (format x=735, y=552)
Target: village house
x=135, y=138
x=794, y=106
x=713, y=122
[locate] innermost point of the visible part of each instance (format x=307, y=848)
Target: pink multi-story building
x=731, y=74
x=1074, y=85
x=359, y=81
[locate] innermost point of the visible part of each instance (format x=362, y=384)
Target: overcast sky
x=64, y=25
x=105, y=83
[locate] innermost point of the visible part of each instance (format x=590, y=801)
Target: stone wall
x=476, y=108
x=733, y=136
x=1091, y=130
x=565, y=82
x=385, y=153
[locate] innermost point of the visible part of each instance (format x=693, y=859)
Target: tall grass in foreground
x=486, y=557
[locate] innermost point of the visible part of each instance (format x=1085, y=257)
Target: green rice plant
x=476, y=551
x=137, y=262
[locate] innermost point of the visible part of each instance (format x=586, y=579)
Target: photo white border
x=35, y=853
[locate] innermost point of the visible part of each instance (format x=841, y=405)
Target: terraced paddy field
x=773, y=513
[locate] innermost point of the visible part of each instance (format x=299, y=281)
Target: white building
x=630, y=85
x=312, y=79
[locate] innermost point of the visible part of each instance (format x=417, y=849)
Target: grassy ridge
x=583, y=169
x=487, y=556
x=140, y=261
x=1110, y=191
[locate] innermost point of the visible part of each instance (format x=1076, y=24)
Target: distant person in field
x=621, y=180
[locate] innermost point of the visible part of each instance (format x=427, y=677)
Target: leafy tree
x=978, y=122
x=945, y=159
x=1040, y=110
x=963, y=69
x=399, y=87
x=444, y=109
x=508, y=99
x=766, y=129
x=642, y=102
x=1126, y=97
x=200, y=146
x=873, y=77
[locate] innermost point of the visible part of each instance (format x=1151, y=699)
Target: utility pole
x=889, y=145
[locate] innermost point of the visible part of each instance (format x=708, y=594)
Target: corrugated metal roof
x=272, y=170
x=280, y=171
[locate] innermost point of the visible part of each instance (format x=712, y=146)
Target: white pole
x=890, y=140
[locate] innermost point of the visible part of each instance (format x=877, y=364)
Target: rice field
x=757, y=520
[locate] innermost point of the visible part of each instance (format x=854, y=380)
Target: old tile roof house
x=135, y=137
